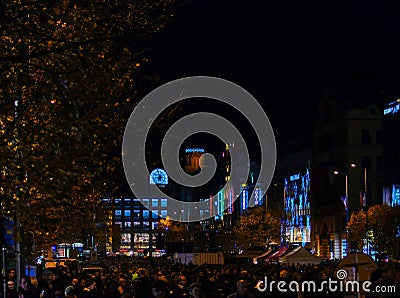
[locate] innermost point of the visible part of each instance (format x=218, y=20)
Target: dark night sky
x=287, y=52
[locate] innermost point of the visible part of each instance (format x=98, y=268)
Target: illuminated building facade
x=192, y=159
x=297, y=208
x=137, y=220
x=136, y=223
x=349, y=140
x=391, y=153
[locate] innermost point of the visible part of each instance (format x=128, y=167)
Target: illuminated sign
x=392, y=109
x=196, y=150
x=256, y=197
x=230, y=202
x=158, y=176
x=245, y=199
x=295, y=177
x=396, y=195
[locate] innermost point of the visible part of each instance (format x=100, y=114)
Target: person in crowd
x=243, y=290
x=11, y=289
x=140, y=286
x=27, y=289
x=194, y=291
x=159, y=289
x=69, y=292
x=12, y=276
x=123, y=288
x=57, y=282
x=80, y=286
x=181, y=288
x=58, y=293
x=42, y=286
x=90, y=290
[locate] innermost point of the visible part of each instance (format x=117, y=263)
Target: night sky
x=287, y=54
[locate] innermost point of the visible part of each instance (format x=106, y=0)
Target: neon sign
x=245, y=199
x=192, y=150
x=295, y=177
x=392, y=109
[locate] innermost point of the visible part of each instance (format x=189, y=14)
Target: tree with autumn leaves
x=67, y=86
x=255, y=228
x=379, y=225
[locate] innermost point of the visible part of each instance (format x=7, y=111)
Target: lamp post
x=4, y=250
x=346, y=198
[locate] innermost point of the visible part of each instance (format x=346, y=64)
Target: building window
x=118, y=213
x=127, y=225
x=146, y=203
x=154, y=214
x=146, y=214
x=164, y=213
x=136, y=213
x=141, y=240
x=154, y=203
x=365, y=137
x=164, y=203
x=127, y=213
x=126, y=238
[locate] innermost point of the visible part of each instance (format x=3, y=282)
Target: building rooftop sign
x=191, y=150
x=393, y=108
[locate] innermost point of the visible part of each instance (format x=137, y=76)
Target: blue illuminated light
x=297, y=208
x=230, y=200
x=396, y=195
x=158, y=176
x=256, y=196
x=245, y=199
x=392, y=109
x=194, y=150
x=295, y=177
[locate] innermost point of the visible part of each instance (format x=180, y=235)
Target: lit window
x=154, y=214
x=125, y=238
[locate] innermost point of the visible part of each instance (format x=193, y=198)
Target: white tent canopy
x=358, y=266
x=255, y=260
x=300, y=256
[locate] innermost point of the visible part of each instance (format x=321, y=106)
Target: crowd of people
x=128, y=278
